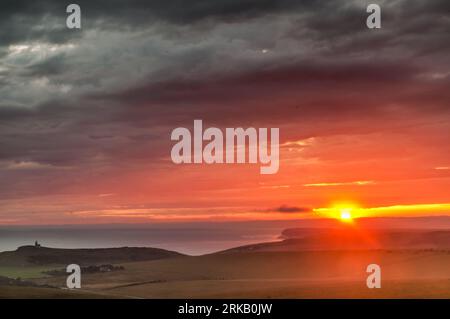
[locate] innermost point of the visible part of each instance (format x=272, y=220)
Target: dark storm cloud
x=139, y=11
x=203, y=59
x=52, y=66
x=301, y=76
x=10, y=112
x=296, y=90
x=28, y=21
x=291, y=209
x=19, y=18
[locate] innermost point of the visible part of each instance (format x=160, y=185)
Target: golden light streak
x=360, y=183
x=344, y=211
x=413, y=210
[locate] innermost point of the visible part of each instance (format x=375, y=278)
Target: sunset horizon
x=225, y=149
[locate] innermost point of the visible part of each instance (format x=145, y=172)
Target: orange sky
x=86, y=117
x=379, y=176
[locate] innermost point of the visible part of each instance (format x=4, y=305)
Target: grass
x=307, y=274
x=26, y=272
x=8, y=292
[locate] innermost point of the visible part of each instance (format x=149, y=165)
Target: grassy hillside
x=48, y=293
x=307, y=274
x=43, y=256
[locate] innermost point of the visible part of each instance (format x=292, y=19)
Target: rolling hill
x=40, y=256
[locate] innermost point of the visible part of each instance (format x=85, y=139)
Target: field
x=7, y=292
x=26, y=272
x=323, y=274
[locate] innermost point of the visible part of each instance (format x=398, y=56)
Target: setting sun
x=346, y=214
x=344, y=211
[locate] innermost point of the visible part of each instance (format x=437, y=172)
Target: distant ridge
x=32, y=255
x=348, y=238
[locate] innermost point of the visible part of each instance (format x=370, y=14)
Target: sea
x=191, y=239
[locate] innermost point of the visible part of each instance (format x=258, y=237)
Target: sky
x=86, y=114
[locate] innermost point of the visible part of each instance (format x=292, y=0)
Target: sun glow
x=346, y=214
x=344, y=211
x=349, y=211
